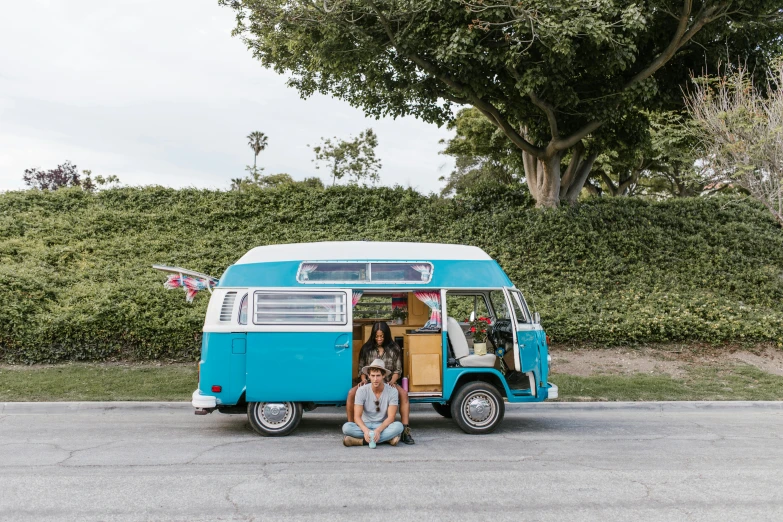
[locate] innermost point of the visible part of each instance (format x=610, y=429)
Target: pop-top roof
x=362, y=250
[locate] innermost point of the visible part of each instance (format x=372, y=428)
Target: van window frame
x=368, y=271
x=346, y=313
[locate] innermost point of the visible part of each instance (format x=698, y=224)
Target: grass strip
x=732, y=382
x=176, y=382
x=98, y=382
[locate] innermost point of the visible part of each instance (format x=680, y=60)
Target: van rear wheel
x=274, y=419
x=443, y=409
x=478, y=408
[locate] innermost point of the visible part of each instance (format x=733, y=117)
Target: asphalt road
x=158, y=461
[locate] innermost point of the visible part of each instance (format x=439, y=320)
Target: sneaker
x=394, y=441
x=406, y=436
x=352, y=441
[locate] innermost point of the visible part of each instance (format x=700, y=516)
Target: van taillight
x=547, y=340
x=217, y=388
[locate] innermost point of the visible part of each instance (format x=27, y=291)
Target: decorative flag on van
x=191, y=285
x=192, y=282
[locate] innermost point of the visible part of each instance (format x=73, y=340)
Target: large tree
x=547, y=73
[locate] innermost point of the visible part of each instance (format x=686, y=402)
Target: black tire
x=442, y=409
x=478, y=408
x=274, y=419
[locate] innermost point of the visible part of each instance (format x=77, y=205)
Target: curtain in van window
x=424, y=270
x=357, y=294
x=431, y=299
x=306, y=270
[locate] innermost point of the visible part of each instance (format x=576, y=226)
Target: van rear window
x=347, y=272
x=300, y=308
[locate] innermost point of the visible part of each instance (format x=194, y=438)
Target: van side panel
x=220, y=366
x=299, y=366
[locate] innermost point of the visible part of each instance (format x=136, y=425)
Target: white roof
x=362, y=250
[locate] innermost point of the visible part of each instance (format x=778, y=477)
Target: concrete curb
x=62, y=408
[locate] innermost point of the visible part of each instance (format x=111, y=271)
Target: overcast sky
x=158, y=92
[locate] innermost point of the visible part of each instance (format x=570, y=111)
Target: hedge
x=76, y=281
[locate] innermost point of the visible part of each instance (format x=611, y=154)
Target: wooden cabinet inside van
x=423, y=362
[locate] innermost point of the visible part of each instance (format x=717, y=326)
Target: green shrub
x=76, y=281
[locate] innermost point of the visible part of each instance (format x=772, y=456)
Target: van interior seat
x=461, y=351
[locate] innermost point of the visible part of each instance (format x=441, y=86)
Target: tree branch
x=580, y=179
x=609, y=183
x=573, y=165
x=627, y=183
x=549, y=111
x=486, y=108
x=681, y=36
x=573, y=139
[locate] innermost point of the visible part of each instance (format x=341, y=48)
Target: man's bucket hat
x=377, y=364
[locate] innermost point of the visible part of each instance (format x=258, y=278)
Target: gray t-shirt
x=366, y=397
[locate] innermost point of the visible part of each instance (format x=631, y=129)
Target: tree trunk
x=530, y=164
x=549, y=183
x=579, y=179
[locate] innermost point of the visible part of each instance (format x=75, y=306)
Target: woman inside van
x=381, y=345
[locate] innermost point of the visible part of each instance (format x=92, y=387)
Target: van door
x=526, y=357
x=299, y=345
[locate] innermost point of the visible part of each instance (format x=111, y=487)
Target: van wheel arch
x=489, y=378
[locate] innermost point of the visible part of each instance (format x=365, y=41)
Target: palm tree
x=257, y=141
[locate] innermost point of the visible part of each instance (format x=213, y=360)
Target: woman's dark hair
x=388, y=340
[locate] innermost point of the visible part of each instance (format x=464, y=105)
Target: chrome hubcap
x=480, y=409
x=274, y=414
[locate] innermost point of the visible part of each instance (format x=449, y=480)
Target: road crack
x=216, y=446
x=237, y=511
x=71, y=453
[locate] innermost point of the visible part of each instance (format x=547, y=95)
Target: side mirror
x=472, y=316
x=536, y=318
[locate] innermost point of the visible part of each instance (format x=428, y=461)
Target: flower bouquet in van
x=479, y=327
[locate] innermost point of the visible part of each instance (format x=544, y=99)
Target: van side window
x=460, y=306
x=519, y=311
x=300, y=308
x=372, y=272
x=498, y=300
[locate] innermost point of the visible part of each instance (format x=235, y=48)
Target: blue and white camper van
x=285, y=324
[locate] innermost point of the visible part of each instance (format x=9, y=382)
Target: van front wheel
x=274, y=419
x=478, y=408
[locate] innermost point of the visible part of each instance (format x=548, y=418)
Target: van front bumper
x=203, y=402
x=552, y=394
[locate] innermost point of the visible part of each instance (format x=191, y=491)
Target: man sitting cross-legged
x=374, y=409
